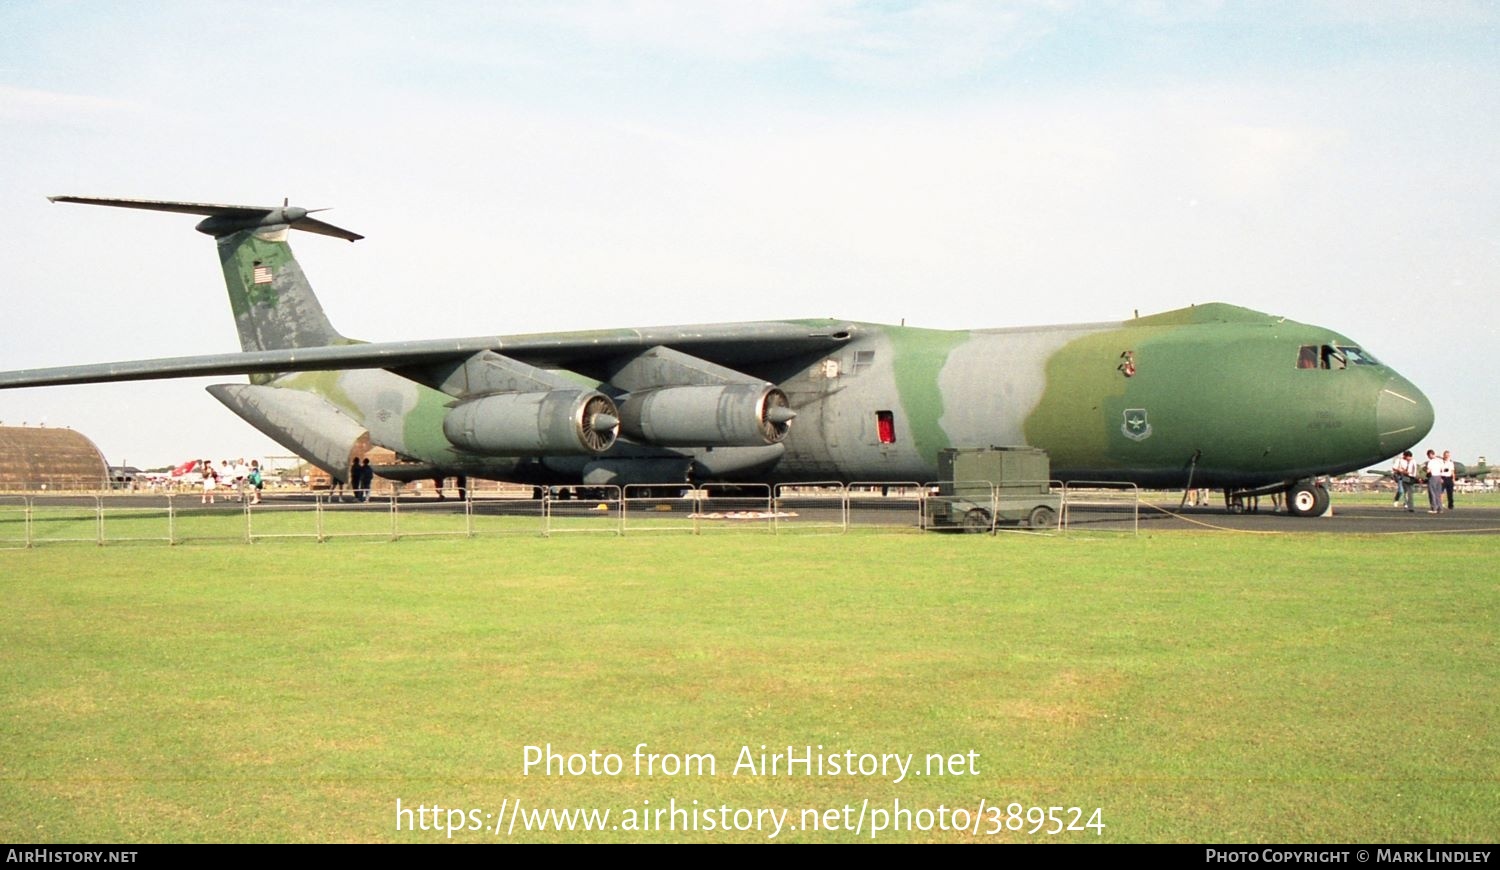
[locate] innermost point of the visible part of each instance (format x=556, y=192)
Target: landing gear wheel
x=976, y=520
x=1306, y=500
x=1236, y=505
x=1042, y=517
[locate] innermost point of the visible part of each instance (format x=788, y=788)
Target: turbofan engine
x=721, y=415
x=551, y=423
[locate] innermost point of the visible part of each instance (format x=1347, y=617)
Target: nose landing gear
x=1306, y=499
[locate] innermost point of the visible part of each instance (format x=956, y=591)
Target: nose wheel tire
x=1306, y=500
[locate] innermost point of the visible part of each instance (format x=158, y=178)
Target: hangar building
x=40, y=458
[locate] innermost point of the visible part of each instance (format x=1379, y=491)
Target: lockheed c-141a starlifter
x=1210, y=396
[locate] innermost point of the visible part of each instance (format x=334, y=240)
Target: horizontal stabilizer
x=224, y=219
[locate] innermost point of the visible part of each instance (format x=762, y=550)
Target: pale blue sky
x=540, y=166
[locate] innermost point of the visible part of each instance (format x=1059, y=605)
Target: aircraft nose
x=1403, y=416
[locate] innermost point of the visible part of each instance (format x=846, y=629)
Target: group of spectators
x=361, y=480
x=242, y=482
x=1437, y=472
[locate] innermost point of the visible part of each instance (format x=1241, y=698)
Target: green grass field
x=1191, y=687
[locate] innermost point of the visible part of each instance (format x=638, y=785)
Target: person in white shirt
x=1434, y=483
x=1448, y=474
x=1404, y=471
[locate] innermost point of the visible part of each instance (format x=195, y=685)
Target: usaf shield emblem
x=1136, y=427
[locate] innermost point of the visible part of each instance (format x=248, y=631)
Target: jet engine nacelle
x=551, y=423
x=720, y=415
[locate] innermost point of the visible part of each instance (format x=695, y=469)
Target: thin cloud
x=27, y=104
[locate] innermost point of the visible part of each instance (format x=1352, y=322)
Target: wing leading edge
x=726, y=344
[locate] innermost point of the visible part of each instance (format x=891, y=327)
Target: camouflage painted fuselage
x=1214, y=388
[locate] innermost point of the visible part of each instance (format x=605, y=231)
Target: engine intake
x=552, y=423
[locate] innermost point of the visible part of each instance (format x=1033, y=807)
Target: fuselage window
x=885, y=427
x=1307, y=357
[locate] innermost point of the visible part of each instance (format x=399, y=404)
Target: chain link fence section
x=15, y=522
x=810, y=507
x=597, y=509
x=885, y=505
x=1101, y=506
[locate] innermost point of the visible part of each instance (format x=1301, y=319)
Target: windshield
x=1357, y=357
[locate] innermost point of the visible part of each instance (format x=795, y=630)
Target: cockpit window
x=1357, y=356
x=1327, y=356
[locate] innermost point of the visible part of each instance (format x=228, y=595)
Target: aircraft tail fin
x=274, y=305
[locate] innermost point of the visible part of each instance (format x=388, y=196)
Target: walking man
x=1404, y=470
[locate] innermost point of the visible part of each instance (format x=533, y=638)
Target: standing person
x=210, y=482
x=1434, y=468
x=365, y=480
x=1404, y=471
x=1448, y=475
x=256, y=481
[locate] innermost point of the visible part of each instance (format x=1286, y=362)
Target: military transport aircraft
x=1208, y=396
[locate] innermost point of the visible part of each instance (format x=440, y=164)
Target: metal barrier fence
x=712, y=507
x=890, y=506
x=826, y=508
x=736, y=508
x=1030, y=506
x=1101, y=506
x=819, y=507
x=959, y=505
x=15, y=522
x=67, y=519
x=601, y=512
x=486, y=515
x=139, y=520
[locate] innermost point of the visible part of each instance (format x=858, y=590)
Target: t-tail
x=274, y=309
x=274, y=305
